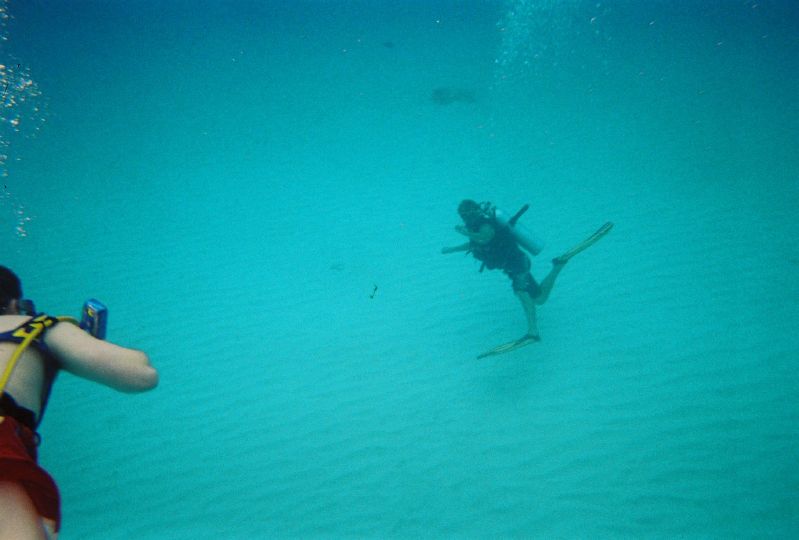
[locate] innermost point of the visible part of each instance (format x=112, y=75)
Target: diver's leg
x=526, y=289
x=18, y=517
x=548, y=283
x=528, y=304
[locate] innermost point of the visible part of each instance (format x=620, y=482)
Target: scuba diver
x=33, y=349
x=495, y=246
x=494, y=240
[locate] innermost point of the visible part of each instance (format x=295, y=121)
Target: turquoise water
x=234, y=178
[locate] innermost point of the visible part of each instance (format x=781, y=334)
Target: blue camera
x=94, y=318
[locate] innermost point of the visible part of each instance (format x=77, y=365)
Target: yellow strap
x=39, y=326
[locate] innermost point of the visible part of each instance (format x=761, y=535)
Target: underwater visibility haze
x=260, y=190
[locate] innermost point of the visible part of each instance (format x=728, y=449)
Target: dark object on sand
x=447, y=96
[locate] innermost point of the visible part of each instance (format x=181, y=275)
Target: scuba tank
x=520, y=233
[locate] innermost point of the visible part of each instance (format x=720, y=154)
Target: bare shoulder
x=121, y=368
x=9, y=322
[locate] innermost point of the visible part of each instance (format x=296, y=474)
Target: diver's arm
x=120, y=368
x=454, y=249
x=482, y=236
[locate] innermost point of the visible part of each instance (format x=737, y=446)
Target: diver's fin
x=510, y=346
x=588, y=242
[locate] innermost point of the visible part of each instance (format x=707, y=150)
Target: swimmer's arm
x=123, y=369
x=453, y=249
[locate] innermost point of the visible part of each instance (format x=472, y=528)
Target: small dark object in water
x=447, y=96
x=374, y=292
x=388, y=44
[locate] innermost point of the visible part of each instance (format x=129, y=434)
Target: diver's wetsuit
x=503, y=252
